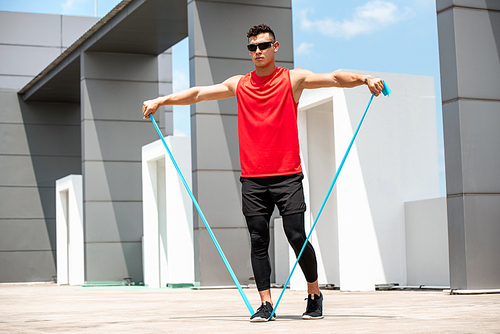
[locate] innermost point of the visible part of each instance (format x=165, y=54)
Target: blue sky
x=396, y=36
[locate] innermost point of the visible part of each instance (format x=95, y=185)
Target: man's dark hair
x=261, y=28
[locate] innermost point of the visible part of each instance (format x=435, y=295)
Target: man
x=271, y=172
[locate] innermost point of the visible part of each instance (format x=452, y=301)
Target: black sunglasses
x=261, y=46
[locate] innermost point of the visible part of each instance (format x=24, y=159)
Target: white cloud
x=368, y=18
x=304, y=48
x=179, y=133
x=73, y=6
x=180, y=80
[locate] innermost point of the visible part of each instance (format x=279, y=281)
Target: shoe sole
x=262, y=319
x=308, y=317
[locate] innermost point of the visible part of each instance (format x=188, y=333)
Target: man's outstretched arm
x=193, y=95
x=305, y=79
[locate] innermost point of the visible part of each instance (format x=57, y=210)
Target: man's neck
x=263, y=71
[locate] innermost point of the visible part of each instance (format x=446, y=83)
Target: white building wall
x=360, y=237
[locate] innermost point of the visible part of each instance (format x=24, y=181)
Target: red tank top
x=267, y=125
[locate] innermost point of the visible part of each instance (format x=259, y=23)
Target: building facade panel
x=219, y=196
x=469, y=33
x=113, y=261
x=28, y=266
x=125, y=218
x=15, y=28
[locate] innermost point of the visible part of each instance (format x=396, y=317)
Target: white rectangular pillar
x=168, y=256
x=69, y=230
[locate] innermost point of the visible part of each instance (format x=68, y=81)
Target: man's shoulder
x=232, y=82
x=298, y=75
x=300, y=72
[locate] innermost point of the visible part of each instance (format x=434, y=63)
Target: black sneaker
x=314, y=308
x=263, y=313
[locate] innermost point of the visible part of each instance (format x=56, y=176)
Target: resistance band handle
x=202, y=216
x=386, y=91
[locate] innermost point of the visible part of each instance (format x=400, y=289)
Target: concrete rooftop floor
x=47, y=308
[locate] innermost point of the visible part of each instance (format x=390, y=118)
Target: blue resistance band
x=386, y=91
x=233, y=276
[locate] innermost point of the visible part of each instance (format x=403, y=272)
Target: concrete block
x=453, y=148
x=67, y=114
x=41, y=236
x=10, y=111
x=235, y=244
x=165, y=66
x=113, y=221
x=118, y=66
x=21, y=60
x=211, y=71
x=482, y=232
x=28, y=266
x=14, y=139
x=37, y=203
x=471, y=162
x=126, y=101
x=216, y=142
x=480, y=158
x=106, y=140
x=39, y=140
x=17, y=28
x=73, y=27
x=263, y=3
x=35, y=170
x=456, y=242
x=169, y=123
x=473, y=237
x=447, y=50
x=443, y=4
x=219, y=196
x=479, y=4
x=112, y=181
x=165, y=88
x=14, y=82
x=231, y=43
x=113, y=261
x=478, y=55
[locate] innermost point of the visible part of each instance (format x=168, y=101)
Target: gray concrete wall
x=113, y=132
x=469, y=47
x=165, y=77
x=39, y=143
x=29, y=42
x=217, y=53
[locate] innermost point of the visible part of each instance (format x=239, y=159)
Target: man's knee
x=258, y=227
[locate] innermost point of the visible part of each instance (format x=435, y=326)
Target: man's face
x=263, y=57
